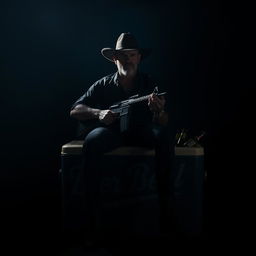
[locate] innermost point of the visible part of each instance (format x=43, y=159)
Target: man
x=148, y=120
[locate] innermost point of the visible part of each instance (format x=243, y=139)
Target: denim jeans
x=105, y=139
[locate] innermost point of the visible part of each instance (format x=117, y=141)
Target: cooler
x=189, y=189
x=128, y=191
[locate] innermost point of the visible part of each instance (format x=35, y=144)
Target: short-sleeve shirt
x=107, y=91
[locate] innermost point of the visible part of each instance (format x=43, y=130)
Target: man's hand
x=107, y=116
x=155, y=103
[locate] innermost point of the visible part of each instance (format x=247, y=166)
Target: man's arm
x=83, y=112
x=156, y=105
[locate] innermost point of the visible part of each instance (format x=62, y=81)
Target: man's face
x=127, y=62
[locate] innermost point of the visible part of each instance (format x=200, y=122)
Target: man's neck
x=127, y=82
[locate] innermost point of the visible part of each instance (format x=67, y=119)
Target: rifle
x=122, y=108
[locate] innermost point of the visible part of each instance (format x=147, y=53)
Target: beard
x=128, y=70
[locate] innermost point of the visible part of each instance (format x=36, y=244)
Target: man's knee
x=99, y=141
x=161, y=134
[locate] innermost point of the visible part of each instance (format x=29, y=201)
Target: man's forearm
x=83, y=112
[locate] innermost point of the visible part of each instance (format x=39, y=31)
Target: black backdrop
x=50, y=53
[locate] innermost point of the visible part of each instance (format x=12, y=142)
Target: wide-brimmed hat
x=126, y=41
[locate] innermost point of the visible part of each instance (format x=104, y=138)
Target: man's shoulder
x=146, y=76
x=146, y=80
x=106, y=79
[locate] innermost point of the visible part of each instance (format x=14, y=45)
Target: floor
x=129, y=247
x=123, y=246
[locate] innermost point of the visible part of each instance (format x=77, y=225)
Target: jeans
x=105, y=139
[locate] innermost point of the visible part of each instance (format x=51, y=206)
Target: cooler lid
x=75, y=148
x=72, y=148
x=186, y=151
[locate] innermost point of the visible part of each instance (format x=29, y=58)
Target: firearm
x=122, y=107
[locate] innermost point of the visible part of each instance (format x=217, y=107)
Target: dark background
x=50, y=53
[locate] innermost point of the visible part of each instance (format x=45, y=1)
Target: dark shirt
x=107, y=91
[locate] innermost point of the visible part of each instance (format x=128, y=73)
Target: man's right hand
x=107, y=116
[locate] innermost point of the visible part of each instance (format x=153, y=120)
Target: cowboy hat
x=125, y=42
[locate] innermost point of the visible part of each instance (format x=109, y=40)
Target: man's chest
x=114, y=94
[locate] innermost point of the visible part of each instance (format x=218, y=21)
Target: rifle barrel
x=161, y=94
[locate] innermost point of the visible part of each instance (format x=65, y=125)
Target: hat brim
x=109, y=53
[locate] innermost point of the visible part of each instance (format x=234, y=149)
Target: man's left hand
x=156, y=104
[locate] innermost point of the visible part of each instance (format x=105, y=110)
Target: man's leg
x=97, y=142
x=164, y=146
x=162, y=139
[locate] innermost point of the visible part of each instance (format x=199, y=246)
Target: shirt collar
x=115, y=78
